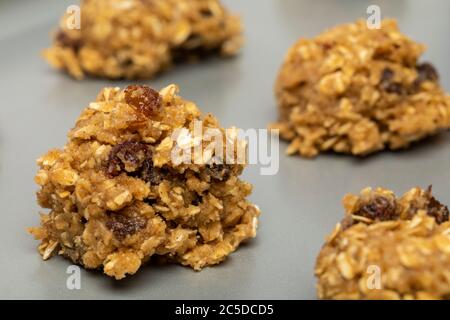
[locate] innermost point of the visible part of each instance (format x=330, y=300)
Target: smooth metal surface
x=300, y=205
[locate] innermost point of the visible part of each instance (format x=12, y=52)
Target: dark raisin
x=64, y=40
x=123, y=226
x=387, y=84
x=150, y=201
x=197, y=200
x=144, y=99
x=395, y=87
x=380, y=208
x=436, y=209
x=386, y=75
x=151, y=174
x=206, y=12
x=128, y=156
x=327, y=45
x=425, y=72
x=135, y=159
x=126, y=62
x=218, y=171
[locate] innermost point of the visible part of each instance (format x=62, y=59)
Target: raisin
x=327, y=46
x=150, y=201
x=135, y=159
x=395, y=87
x=144, y=99
x=123, y=226
x=151, y=174
x=128, y=156
x=387, y=84
x=206, y=12
x=197, y=200
x=126, y=62
x=386, y=75
x=425, y=72
x=63, y=39
x=379, y=208
x=436, y=209
x=218, y=171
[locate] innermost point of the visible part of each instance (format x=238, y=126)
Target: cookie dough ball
x=357, y=91
x=139, y=38
x=117, y=197
x=387, y=248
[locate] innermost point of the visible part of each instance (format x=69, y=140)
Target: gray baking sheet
x=300, y=204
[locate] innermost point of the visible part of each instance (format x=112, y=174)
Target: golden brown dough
x=117, y=199
x=358, y=91
x=403, y=241
x=140, y=38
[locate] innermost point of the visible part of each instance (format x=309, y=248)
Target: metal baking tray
x=300, y=204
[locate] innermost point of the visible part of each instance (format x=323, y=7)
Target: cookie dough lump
x=357, y=91
x=139, y=38
x=117, y=198
x=387, y=248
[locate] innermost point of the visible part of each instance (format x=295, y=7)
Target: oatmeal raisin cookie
x=357, y=91
x=139, y=38
x=117, y=197
x=387, y=248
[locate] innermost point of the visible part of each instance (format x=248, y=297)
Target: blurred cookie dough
x=358, y=91
x=139, y=38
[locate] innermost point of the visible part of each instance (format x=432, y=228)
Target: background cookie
x=358, y=90
x=139, y=38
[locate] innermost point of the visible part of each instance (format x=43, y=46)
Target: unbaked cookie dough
x=387, y=248
x=139, y=38
x=117, y=199
x=357, y=91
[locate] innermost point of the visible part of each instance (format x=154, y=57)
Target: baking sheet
x=300, y=204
